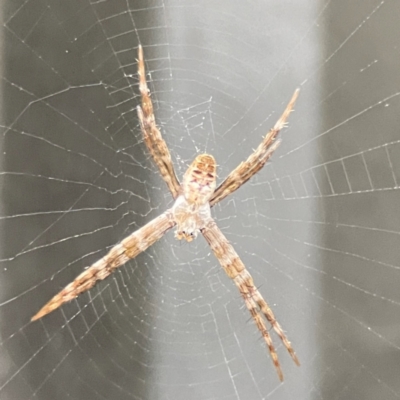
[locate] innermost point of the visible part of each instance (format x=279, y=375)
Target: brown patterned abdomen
x=199, y=181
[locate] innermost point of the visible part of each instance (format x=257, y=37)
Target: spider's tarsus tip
x=140, y=53
x=280, y=374
x=42, y=312
x=36, y=316
x=295, y=95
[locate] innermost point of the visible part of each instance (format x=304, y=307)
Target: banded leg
x=152, y=135
x=246, y=169
x=255, y=303
x=129, y=248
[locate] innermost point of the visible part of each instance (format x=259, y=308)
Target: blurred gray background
x=318, y=228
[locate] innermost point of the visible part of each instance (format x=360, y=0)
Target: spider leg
x=152, y=135
x=269, y=315
x=246, y=292
x=245, y=170
x=129, y=248
x=255, y=303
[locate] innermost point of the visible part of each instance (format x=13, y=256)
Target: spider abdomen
x=199, y=181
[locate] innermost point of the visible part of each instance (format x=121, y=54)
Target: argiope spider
x=191, y=214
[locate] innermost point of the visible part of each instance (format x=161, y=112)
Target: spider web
x=318, y=228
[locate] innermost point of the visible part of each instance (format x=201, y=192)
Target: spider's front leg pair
x=191, y=214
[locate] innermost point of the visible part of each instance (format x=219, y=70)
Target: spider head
x=199, y=181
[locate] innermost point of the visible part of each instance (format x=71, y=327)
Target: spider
x=191, y=214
